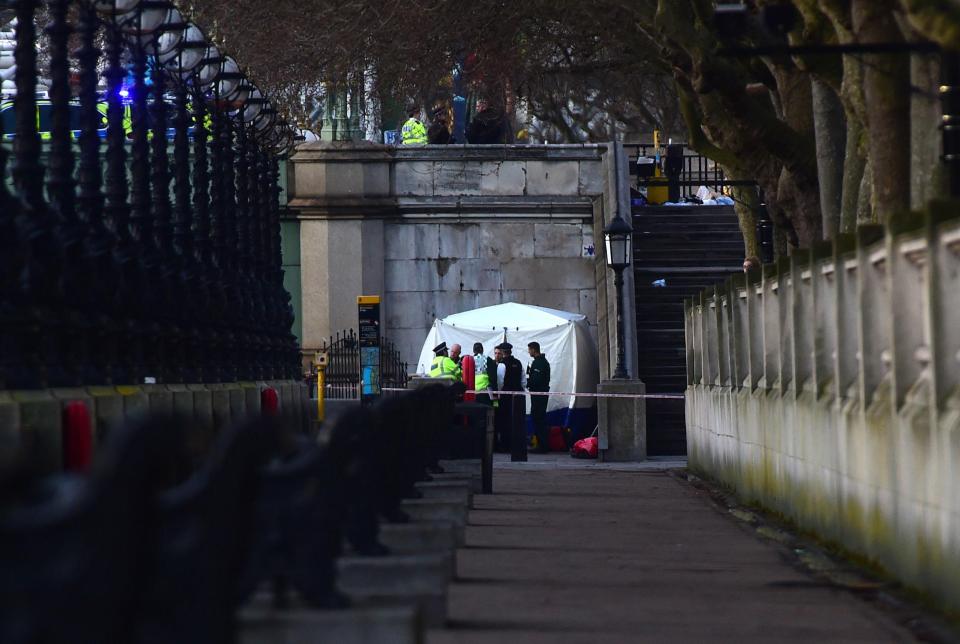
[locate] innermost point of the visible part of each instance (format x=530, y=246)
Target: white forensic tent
x=564, y=339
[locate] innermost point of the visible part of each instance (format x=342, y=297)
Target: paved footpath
x=565, y=554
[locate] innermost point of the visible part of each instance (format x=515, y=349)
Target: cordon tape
x=560, y=393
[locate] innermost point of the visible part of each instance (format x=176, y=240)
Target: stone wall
x=828, y=388
x=436, y=269
x=437, y=230
x=32, y=423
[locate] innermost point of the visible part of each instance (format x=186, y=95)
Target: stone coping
x=578, y=207
x=375, y=153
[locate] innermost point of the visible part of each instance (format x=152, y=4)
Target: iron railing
x=106, y=275
x=342, y=373
x=695, y=170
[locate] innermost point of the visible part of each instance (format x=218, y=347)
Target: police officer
x=486, y=374
x=538, y=379
x=413, y=131
x=443, y=366
x=513, y=379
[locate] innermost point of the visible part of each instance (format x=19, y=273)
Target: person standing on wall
x=413, y=132
x=439, y=132
x=538, y=379
x=488, y=125
x=513, y=380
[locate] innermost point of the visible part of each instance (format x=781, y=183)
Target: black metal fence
x=342, y=374
x=107, y=276
x=148, y=548
x=689, y=170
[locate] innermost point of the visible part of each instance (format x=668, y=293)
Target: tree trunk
x=853, y=167
x=799, y=198
x=780, y=244
x=887, y=92
x=831, y=137
x=927, y=175
x=746, y=204
x=865, y=212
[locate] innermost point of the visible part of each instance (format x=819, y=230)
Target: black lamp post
x=618, y=240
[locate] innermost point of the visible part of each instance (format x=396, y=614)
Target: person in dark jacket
x=502, y=408
x=538, y=379
x=439, y=131
x=517, y=405
x=488, y=126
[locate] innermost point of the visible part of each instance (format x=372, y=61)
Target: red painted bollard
x=269, y=402
x=77, y=437
x=469, y=375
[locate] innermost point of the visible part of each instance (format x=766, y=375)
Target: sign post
x=320, y=365
x=368, y=308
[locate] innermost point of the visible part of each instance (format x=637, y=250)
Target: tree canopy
x=832, y=139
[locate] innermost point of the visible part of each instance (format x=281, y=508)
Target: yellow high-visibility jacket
x=445, y=367
x=413, y=132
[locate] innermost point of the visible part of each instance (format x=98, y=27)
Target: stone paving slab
x=562, y=461
x=566, y=554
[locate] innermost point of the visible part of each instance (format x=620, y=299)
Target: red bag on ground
x=585, y=448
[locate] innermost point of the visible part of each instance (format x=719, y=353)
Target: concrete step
x=430, y=510
x=407, y=580
x=420, y=537
x=260, y=623
x=462, y=465
x=395, y=574
x=454, y=511
x=473, y=480
x=450, y=490
x=432, y=607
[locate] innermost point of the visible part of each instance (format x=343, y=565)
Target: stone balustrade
x=827, y=387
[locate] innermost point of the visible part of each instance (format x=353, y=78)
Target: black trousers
x=538, y=414
x=518, y=428
x=502, y=420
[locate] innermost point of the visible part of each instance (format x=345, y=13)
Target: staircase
x=678, y=251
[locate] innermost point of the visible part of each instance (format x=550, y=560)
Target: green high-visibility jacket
x=413, y=132
x=444, y=367
x=481, y=381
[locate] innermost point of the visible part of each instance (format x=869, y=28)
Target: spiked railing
x=108, y=277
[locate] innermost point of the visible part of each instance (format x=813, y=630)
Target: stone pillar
x=623, y=422
x=330, y=286
x=338, y=186
x=616, y=199
x=625, y=208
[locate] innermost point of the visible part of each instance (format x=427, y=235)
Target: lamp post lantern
x=618, y=241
